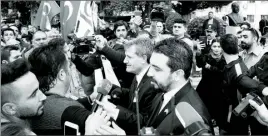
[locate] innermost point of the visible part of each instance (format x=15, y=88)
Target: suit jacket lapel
x=165, y=111
x=157, y=117
x=133, y=89
x=155, y=109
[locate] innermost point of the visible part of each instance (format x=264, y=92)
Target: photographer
x=112, y=50
x=235, y=89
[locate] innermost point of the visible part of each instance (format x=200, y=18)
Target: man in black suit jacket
x=211, y=33
x=171, y=64
x=137, y=53
x=211, y=21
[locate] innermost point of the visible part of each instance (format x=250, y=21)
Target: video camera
x=157, y=14
x=82, y=45
x=244, y=109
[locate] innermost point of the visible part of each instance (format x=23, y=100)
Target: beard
x=245, y=46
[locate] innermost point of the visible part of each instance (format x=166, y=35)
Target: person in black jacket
x=138, y=53
x=113, y=50
x=171, y=64
x=209, y=88
x=211, y=21
x=52, y=69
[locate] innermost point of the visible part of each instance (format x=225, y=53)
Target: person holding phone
x=209, y=88
x=206, y=41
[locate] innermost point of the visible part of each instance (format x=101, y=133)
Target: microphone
x=189, y=118
x=103, y=89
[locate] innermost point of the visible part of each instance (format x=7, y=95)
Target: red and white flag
x=68, y=17
x=47, y=10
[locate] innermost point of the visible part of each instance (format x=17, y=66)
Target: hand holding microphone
x=103, y=89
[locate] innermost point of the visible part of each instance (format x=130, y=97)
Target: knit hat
x=136, y=20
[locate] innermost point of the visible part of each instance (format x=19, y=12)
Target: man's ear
x=176, y=75
x=9, y=109
x=61, y=74
x=144, y=57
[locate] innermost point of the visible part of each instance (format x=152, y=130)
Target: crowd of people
x=45, y=82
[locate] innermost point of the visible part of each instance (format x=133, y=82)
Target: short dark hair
x=14, y=129
x=245, y=23
x=179, y=21
x=46, y=63
x=12, y=71
x=253, y=31
x=179, y=53
x=120, y=23
x=229, y=44
x=7, y=29
x=5, y=51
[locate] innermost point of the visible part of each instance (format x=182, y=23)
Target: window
x=250, y=18
x=264, y=16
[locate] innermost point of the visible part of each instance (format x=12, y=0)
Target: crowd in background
x=45, y=81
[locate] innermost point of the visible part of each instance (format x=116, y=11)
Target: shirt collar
x=141, y=74
x=171, y=93
x=234, y=62
x=256, y=51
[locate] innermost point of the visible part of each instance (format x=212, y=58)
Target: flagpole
x=98, y=22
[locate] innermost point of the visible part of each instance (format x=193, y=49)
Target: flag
x=88, y=14
x=109, y=72
x=47, y=10
x=68, y=16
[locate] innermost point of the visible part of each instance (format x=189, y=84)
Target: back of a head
x=179, y=53
x=144, y=46
x=57, y=42
x=46, y=62
x=229, y=44
x=15, y=129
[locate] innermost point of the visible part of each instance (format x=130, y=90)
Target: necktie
x=161, y=100
x=135, y=84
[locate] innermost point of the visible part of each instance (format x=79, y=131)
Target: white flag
x=85, y=23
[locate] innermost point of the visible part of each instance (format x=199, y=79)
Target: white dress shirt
x=169, y=95
x=138, y=78
x=141, y=74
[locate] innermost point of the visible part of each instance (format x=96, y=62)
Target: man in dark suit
x=171, y=64
x=211, y=33
x=211, y=21
x=138, y=53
